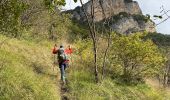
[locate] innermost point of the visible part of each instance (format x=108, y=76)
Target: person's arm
x=55, y=50
x=69, y=50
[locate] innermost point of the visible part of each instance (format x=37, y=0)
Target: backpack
x=62, y=55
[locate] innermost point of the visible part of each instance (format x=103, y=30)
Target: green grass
x=82, y=87
x=26, y=74
x=26, y=71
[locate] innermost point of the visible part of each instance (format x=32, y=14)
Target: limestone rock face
x=111, y=7
x=125, y=25
x=108, y=8
x=129, y=25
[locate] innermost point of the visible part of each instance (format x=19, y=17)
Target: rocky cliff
x=108, y=8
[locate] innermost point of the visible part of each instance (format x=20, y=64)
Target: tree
x=10, y=12
x=138, y=58
x=166, y=70
x=93, y=32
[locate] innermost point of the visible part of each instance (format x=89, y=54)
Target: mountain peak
x=110, y=8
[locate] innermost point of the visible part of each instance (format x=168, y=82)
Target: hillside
x=26, y=71
x=107, y=62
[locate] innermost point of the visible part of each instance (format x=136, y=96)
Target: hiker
x=63, y=60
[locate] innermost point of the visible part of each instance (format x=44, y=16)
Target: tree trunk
x=91, y=25
x=95, y=60
x=105, y=56
x=166, y=75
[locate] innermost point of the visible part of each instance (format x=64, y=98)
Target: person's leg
x=65, y=66
x=62, y=68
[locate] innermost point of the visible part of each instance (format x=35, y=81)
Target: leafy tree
x=10, y=12
x=137, y=58
x=37, y=16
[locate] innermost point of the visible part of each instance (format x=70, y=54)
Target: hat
x=61, y=46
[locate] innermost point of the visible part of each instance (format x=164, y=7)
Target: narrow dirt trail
x=64, y=91
x=62, y=87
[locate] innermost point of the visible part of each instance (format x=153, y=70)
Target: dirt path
x=64, y=91
x=63, y=87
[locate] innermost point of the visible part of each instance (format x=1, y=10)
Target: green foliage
x=44, y=23
x=137, y=17
x=19, y=17
x=78, y=31
x=84, y=50
x=10, y=13
x=51, y=4
x=140, y=18
x=119, y=16
x=59, y=26
x=159, y=39
x=81, y=79
x=135, y=57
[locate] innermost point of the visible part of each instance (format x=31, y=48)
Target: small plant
x=119, y=16
x=140, y=18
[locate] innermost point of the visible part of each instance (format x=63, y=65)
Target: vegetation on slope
x=81, y=81
x=26, y=64
x=160, y=39
x=82, y=87
x=26, y=71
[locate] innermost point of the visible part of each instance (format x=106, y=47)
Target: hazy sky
x=152, y=7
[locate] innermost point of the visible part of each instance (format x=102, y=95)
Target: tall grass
x=82, y=87
x=26, y=71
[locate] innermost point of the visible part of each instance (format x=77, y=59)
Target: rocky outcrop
x=108, y=8
x=130, y=25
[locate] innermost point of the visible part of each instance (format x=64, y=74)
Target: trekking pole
x=71, y=60
x=54, y=59
x=54, y=63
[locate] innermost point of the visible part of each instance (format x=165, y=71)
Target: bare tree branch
x=165, y=12
x=91, y=25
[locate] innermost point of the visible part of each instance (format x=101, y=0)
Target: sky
x=151, y=7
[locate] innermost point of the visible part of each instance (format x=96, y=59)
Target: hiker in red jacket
x=62, y=58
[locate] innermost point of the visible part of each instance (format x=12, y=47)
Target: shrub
x=140, y=18
x=136, y=57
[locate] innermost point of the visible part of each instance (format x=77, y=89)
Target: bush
x=117, y=17
x=141, y=18
x=159, y=39
x=135, y=57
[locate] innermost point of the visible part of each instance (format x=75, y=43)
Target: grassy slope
x=26, y=71
x=26, y=74
x=82, y=87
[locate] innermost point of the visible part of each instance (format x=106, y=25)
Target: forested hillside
x=108, y=62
